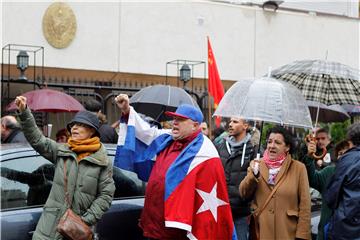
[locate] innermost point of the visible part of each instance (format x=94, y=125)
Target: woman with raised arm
x=82, y=169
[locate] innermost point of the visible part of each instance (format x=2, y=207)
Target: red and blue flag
x=196, y=198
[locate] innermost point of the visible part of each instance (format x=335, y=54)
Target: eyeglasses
x=78, y=124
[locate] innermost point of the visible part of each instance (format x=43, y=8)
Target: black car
x=26, y=179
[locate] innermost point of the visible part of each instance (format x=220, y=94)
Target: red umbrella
x=48, y=100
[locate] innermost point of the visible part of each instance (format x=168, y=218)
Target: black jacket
x=235, y=173
x=343, y=195
x=16, y=136
x=108, y=134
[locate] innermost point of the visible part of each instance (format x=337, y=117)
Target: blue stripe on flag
x=234, y=236
x=178, y=170
x=136, y=156
x=130, y=138
x=126, y=159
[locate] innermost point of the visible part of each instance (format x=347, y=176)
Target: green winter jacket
x=319, y=180
x=90, y=183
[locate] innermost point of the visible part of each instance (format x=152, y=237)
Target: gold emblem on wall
x=59, y=25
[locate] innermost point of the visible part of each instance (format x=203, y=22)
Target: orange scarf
x=84, y=148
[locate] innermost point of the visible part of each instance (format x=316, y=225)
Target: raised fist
x=20, y=102
x=122, y=101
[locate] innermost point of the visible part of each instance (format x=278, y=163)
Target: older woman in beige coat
x=287, y=214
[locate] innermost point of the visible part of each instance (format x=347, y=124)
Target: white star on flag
x=211, y=202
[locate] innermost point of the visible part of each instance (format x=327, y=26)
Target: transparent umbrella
x=266, y=99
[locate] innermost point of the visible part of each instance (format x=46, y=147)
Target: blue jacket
x=343, y=195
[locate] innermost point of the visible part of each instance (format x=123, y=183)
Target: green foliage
x=266, y=127
x=338, y=131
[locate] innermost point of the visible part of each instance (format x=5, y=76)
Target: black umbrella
x=327, y=114
x=353, y=110
x=153, y=101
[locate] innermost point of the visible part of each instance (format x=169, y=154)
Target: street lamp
x=271, y=5
x=185, y=73
x=22, y=63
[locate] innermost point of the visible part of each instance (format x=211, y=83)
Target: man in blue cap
x=186, y=194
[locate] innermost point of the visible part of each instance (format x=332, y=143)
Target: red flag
x=216, y=89
x=198, y=201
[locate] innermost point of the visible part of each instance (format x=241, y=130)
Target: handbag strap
x=65, y=186
x=271, y=194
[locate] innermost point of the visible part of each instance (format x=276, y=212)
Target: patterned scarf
x=273, y=165
x=84, y=148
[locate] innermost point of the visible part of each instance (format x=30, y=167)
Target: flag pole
x=209, y=117
x=215, y=87
x=208, y=98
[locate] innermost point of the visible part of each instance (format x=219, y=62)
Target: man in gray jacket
x=236, y=152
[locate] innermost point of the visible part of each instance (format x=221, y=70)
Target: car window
x=25, y=181
x=127, y=183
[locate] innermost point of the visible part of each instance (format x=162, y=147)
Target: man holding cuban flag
x=186, y=195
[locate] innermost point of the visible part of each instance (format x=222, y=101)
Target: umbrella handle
x=309, y=138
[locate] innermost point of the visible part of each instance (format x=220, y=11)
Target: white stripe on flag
x=206, y=152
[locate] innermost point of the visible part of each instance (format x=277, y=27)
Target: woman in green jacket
x=89, y=171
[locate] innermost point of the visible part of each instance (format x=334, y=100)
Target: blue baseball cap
x=187, y=111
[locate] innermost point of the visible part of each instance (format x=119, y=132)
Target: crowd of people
x=229, y=186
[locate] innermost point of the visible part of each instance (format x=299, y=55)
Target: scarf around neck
x=273, y=165
x=84, y=148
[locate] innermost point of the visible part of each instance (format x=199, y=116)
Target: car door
x=26, y=179
x=121, y=220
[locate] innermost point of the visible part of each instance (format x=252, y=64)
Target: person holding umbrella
x=280, y=190
x=323, y=143
x=84, y=162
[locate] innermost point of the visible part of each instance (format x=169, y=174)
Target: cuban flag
x=195, y=198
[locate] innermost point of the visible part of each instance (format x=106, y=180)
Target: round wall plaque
x=59, y=25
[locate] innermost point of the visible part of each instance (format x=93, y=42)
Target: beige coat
x=287, y=215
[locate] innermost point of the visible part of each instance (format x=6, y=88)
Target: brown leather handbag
x=71, y=225
x=254, y=229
